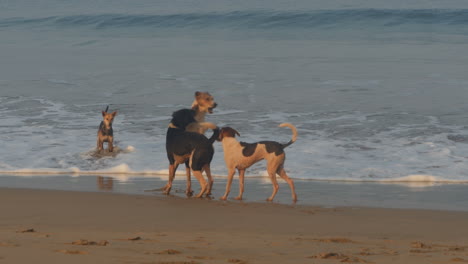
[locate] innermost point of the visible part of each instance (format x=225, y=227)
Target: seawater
x=377, y=90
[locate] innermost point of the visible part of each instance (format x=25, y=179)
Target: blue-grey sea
x=377, y=89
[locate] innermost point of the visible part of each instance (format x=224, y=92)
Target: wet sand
x=44, y=226
x=407, y=195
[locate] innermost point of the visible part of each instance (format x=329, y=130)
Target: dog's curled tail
x=294, y=133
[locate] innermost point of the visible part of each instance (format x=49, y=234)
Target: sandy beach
x=45, y=226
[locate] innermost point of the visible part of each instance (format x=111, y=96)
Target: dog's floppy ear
x=221, y=136
x=230, y=132
x=235, y=131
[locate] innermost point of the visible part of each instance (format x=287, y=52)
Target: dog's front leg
x=241, y=184
x=188, y=191
x=172, y=170
x=110, y=144
x=229, y=182
x=99, y=144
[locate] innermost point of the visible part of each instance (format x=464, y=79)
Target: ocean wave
x=255, y=19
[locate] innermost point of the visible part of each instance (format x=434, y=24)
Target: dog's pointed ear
x=114, y=113
x=197, y=93
x=103, y=113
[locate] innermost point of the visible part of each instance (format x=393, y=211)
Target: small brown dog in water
x=105, y=132
x=241, y=155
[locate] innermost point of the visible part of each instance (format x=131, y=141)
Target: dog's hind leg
x=282, y=174
x=207, y=169
x=188, y=190
x=110, y=145
x=272, y=174
x=241, y=184
x=172, y=170
x=100, y=145
x=203, y=185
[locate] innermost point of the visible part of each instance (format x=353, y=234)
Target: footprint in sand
x=343, y=258
x=28, y=230
x=418, y=244
x=84, y=242
x=176, y=262
x=72, y=252
x=32, y=230
x=199, y=257
x=169, y=252
x=459, y=260
x=383, y=251
x=237, y=261
x=7, y=244
x=336, y=240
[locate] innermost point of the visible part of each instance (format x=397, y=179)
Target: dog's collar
x=172, y=125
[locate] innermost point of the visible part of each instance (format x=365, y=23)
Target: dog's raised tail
x=294, y=133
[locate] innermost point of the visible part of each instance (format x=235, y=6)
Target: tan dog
x=241, y=155
x=105, y=132
x=202, y=104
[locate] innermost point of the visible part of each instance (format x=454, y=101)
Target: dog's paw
x=189, y=193
x=238, y=198
x=223, y=198
x=294, y=199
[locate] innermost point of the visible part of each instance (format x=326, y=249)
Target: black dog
x=193, y=149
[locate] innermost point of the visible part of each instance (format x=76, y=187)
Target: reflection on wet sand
x=105, y=183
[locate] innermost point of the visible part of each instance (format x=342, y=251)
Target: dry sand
x=78, y=227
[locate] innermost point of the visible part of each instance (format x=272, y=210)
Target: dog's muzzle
x=210, y=110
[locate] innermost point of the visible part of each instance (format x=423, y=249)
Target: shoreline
x=443, y=197
x=90, y=227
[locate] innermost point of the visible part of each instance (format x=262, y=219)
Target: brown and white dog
x=105, y=132
x=241, y=155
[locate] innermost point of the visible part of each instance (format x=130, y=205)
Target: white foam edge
x=124, y=172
